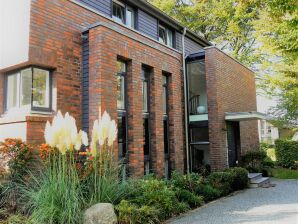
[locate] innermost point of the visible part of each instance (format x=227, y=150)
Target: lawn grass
x=282, y=173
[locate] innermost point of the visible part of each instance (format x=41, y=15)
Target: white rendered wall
x=14, y=32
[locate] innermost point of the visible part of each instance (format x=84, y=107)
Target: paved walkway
x=275, y=205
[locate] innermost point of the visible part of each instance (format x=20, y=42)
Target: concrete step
x=254, y=176
x=260, y=182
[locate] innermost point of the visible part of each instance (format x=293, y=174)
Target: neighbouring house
x=180, y=103
x=268, y=133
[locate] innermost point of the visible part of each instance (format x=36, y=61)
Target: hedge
x=286, y=152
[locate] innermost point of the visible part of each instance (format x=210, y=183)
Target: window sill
x=24, y=116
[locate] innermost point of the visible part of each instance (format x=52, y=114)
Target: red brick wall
x=35, y=129
x=230, y=88
x=106, y=46
x=55, y=41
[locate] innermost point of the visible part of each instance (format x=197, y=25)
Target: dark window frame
x=166, y=116
x=123, y=113
x=145, y=76
x=32, y=108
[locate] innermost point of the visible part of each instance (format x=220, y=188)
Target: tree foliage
x=226, y=23
x=277, y=33
x=262, y=34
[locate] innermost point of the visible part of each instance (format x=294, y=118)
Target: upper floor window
x=165, y=35
x=121, y=75
x=124, y=14
x=29, y=88
x=118, y=11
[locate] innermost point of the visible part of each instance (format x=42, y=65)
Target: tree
x=277, y=33
x=226, y=23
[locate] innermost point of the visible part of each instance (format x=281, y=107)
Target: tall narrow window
x=122, y=111
x=165, y=105
x=146, y=116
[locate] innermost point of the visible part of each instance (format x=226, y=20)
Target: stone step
x=254, y=176
x=260, y=182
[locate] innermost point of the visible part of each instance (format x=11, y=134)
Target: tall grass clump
x=55, y=195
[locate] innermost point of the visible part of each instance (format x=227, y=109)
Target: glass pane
x=12, y=91
x=145, y=96
x=169, y=38
x=118, y=12
x=146, y=137
x=197, y=87
x=122, y=136
x=26, y=87
x=121, y=67
x=164, y=100
x=166, y=136
x=41, y=88
x=130, y=15
x=120, y=92
x=162, y=35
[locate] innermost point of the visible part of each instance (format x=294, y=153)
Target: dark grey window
x=118, y=11
x=146, y=117
x=29, y=88
x=165, y=104
x=122, y=112
x=165, y=35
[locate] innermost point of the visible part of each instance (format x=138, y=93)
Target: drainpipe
x=185, y=102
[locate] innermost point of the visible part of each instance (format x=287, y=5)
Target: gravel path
x=274, y=205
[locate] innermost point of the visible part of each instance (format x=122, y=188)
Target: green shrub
x=188, y=197
x=208, y=192
x=253, y=160
x=156, y=193
x=240, y=178
x=55, y=195
x=286, y=152
x=19, y=158
x=221, y=181
x=134, y=214
x=188, y=182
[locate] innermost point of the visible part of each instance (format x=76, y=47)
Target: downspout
x=185, y=102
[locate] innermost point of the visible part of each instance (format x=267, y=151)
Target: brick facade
x=55, y=42
x=230, y=88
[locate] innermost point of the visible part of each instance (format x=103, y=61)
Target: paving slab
x=274, y=205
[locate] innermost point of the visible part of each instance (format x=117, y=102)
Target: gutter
x=185, y=102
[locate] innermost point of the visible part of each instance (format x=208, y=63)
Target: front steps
x=257, y=180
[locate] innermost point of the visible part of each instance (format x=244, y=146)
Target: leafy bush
x=188, y=182
x=240, y=178
x=286, y=152
x=253, y=160
x=156, y=193
x=16, y=159
x=188, y=197
x=134, y=214
x=221, y=181
x=208, y=192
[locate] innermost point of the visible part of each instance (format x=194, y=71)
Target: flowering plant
x=63, y=134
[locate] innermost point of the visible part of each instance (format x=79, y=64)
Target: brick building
x=180, y=102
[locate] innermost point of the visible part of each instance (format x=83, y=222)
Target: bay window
x=29, y=88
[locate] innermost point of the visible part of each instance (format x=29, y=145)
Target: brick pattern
x=35, y=129
x=230, y=88
x=105, y=47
